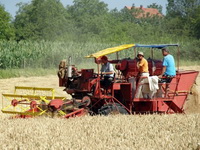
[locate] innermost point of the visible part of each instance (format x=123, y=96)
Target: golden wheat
x=112, y=132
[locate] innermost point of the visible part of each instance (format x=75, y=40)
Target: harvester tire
x=112, y=108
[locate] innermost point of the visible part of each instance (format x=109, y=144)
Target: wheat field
x=130, y=132
x=112, y=132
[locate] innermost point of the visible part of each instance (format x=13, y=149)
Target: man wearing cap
x=107, y=71
x=143, y=72
x=169, y=70
x=142, y=65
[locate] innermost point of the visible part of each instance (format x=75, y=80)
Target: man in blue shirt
x=169, y=70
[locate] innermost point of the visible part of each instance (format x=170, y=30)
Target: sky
x=10, y=5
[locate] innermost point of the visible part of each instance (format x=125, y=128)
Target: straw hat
x=141, y=53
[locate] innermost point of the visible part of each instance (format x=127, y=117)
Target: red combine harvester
x=124, y=95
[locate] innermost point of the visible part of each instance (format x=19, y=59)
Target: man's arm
x=106, y=73
x=111, y=70
x=141, y=63
x=165, y=64
x=163, y=71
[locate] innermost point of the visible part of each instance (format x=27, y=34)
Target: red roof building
x=145, y=12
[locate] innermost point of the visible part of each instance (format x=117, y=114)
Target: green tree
x=195, y=21
x=42, y=19
x=180, y=16
x=6, y=27
x=90, y=17
x=181, y=8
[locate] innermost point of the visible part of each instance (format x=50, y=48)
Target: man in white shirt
x=107, y=72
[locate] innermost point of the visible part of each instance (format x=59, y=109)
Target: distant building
x=145, y=12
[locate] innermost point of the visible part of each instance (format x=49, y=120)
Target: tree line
x=92, y=21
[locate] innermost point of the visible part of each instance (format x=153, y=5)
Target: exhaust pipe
x=69, y=67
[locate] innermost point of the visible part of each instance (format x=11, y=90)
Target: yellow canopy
x=110, y=50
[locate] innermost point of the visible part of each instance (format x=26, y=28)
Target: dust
x=192, y=104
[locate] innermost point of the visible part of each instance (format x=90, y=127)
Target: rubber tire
x=112, y=107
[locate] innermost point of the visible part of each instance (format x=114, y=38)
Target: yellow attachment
x=21, y=113
x=110, y=50
x=61, y=112
x=33, y=97
x=29, y=94
x=34, y=91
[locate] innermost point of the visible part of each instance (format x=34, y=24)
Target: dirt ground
x=7, y=86
x=50, y=81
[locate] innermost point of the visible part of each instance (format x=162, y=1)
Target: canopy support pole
x=151, y=53
x=178, y=57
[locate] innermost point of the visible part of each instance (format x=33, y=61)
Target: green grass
x=189, y=63
x=28, y=72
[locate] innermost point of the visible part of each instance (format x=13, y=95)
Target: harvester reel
x=14, y=102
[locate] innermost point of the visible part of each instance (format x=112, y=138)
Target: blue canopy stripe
x=155, y=46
